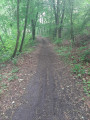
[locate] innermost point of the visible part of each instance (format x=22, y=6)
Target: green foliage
x=0, y=77
x=82, y=48
x=85, y=56
x=4, y=86
x=45, y=22
x=86, y=87
x=88, y=71
x=8, y=25
x=13, y=77
x=78, y=69
x=65, y=52
x=29, y=45
x=14, y=61
x=15, y=70
x=58, y=41
x=74, y=61
x=3, y=65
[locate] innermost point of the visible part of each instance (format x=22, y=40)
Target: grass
x=57, y=41
x=13, y=77
x=3, y=87
x=89, y=71
x=6, y=78
x=0, y=77
x=86, y=87
x=85, y=56
x=15, y=70
x=65, y=52
x=14, y=61
x=3, y=65
x=82, y=48
x=78, y=69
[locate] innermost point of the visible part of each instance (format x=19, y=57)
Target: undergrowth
x=12, y=75
x=6, y=53
x=79, y=60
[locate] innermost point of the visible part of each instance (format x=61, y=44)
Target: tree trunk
x=56, y=18
x=18, y=32
x=61, y=23
x=24, y=32
x=33, y=23
x=33, y=32
x=71, y=19
x=72, y=31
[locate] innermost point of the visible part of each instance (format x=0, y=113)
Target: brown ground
x=10, y=95
x=50, y=91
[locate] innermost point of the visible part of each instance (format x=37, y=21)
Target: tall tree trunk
x=33, y=30
x=61, y=23
x=24, y=32
x=71, y=19
x=72, y=30
x=18, y=32
x=56, y=18
x=33, y=23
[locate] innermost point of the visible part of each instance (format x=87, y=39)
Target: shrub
x=78, y=69
x=58, y=41
x=85, y=56
x=81, y=40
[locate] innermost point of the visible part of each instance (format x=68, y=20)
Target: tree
x=59, y=11
x=35, y=10
x=33, y=24
x=18, y=31
x=54, y=18
x=56, y=14
x=62, y=19
x=25, y=25
x=71, y=4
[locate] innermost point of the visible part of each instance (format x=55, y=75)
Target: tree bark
x=56, y=18
x=72, y=31
x=25, y=25
x=61, y=23
x=18, y=32
x=33, y=30
x=33, y=23
x=71, y=19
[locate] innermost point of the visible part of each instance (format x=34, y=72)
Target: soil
x=50, y=91
x=10, y=97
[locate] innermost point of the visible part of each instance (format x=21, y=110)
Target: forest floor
x=41, y=87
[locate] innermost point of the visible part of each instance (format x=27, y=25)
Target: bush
x=78, y=69
x=81, y=40
x=58, y=41
x=85, y=56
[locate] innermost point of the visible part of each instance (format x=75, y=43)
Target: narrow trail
x=51, y=93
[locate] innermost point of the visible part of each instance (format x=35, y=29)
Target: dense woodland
x=21, y=21
x=65, y=23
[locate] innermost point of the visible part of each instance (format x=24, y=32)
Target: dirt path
x=51, y=93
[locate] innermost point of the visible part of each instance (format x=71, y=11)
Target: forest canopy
x=22, y=20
